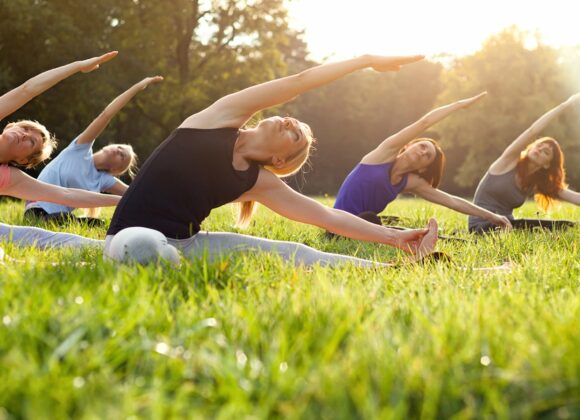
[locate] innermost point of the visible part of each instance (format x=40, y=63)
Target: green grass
x=250, y=336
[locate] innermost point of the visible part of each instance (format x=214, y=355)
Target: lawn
x=250, y=336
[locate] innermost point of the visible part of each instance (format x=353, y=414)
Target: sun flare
x=338, y=29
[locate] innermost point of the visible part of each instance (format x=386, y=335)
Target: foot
x=428, y=242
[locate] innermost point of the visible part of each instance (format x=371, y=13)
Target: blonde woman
x=211, y=160
x=27, y=143
x=78, y=167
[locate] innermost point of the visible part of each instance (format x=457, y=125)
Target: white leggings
x=216, y=244
x=41, y=238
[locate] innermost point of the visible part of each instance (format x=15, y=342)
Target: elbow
x=425, y=123
x=27, y=89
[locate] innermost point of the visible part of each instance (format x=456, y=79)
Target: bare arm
x=118, y=189
x=27, y=188
x=420, y=187
x=569, y=196
x=279, y=197
x=235, y=109
x=512, y=153
x=390, y=147
x=16, y=98
x=101, y=122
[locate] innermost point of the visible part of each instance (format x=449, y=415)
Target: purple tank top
x=368, y=188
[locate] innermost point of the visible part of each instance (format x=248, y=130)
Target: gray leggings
x=216, y=244
x=41, y=238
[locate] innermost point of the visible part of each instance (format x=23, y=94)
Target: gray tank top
x=498, y=194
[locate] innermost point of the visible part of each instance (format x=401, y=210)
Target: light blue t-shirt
x=74, y=167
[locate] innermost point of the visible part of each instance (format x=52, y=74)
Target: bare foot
x=428, y=242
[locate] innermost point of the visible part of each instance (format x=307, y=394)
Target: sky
x=338, y=29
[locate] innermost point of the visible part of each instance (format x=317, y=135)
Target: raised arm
x=17, y=97
x=235, y=109
x=279, y=197
x=27, y=188
x=512, y=153
x=569, y=196
x=390, y=147
x=101, y=122
x=423, y=189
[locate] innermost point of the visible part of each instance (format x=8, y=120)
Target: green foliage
x=204, y=50
x=524, y=79
x=251, y=336
x=351, y=116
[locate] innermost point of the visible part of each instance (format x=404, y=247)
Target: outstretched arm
x=17, y=97
x=101, y=122
x=279, y=197
x=235, y=109
x=390, y=147
x=512, y=153
x=569, y=196
x=424, y=190
x=27, y=188
x=118, y=188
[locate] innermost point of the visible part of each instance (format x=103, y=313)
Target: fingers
x=107, y=57
x=155, y=79
x=481, y=95
x=149, y=80
x=402, y=60
x=94, y=63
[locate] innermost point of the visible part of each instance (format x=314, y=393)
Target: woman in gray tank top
x=526, y=168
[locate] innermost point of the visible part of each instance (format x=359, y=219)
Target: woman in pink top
x=27, y=143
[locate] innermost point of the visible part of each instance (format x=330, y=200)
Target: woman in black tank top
x=209, y=160
x=525, y=168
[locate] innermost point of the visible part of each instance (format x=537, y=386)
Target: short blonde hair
x=48, y=142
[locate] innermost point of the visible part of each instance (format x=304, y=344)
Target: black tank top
x=187, y=176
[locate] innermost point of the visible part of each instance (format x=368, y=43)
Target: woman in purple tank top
x=405, y=163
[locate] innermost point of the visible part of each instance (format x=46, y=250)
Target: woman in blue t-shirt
x=27, y=143
x=78, y=167
x=405, y=163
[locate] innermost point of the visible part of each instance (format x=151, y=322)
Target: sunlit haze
x=340, y=29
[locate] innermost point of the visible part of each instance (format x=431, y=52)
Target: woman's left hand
x=383, y=64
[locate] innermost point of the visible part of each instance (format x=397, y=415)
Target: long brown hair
x=292, y=165
x=434, y=172
x=546, y=183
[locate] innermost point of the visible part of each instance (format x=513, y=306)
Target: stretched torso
x=74, y=167
x=368, y=188
x=499, y=194
x=186, y=177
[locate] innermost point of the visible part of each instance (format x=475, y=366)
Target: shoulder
x=502, y=165
x=266, y=183
x=5, y=173
x=379, y=156
x=415, y=183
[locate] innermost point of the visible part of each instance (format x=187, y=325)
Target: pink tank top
x=4, y=176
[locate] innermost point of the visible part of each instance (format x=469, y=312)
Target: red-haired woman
x=405, y=163
x=526, y=167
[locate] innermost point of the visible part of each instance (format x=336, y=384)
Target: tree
x=523, y=78
x=205, y=49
